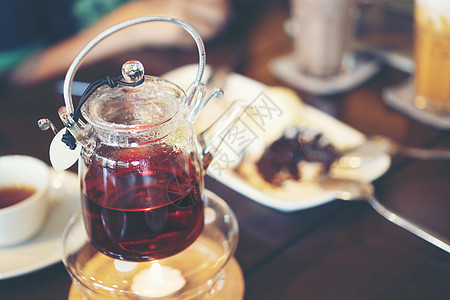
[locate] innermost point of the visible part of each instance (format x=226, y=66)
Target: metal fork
x=379, y=145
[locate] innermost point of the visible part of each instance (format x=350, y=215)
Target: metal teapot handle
x=77, y=61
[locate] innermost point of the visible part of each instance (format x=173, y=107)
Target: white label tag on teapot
x=61, y=157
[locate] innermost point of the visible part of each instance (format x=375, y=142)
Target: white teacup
x=22, y=220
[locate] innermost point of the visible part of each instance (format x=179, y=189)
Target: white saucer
x=401, y=97
x=354, y=72
x=44, y=249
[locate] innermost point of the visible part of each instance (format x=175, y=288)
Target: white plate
x=280, y=108
x=44, y=249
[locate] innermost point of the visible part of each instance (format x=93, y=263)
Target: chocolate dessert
x=297, y=152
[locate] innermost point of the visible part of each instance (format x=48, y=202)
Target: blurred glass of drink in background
x=322, y=30
x=432, y=54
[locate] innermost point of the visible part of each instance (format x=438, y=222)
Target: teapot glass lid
x=148, y=104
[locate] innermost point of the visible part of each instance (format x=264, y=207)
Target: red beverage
x=145, y=205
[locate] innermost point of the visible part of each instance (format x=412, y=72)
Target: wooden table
x=340, y=250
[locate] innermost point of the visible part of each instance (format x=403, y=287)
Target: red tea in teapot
x=146, y=206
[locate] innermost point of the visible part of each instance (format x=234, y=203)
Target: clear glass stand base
x=207, y=267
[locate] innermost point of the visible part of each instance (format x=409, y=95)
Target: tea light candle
x=157, y=281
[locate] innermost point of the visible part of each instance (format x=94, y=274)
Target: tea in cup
x=24, y=182
x=432, y=55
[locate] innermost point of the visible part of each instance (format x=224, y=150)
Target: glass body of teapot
x=141, y=176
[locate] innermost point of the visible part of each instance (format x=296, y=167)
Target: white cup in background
x=22, y=220
x=321, y=30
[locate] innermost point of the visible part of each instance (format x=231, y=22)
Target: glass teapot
x=141, y=165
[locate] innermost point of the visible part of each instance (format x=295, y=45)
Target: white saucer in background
x=352, y=75
x=401, y=97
